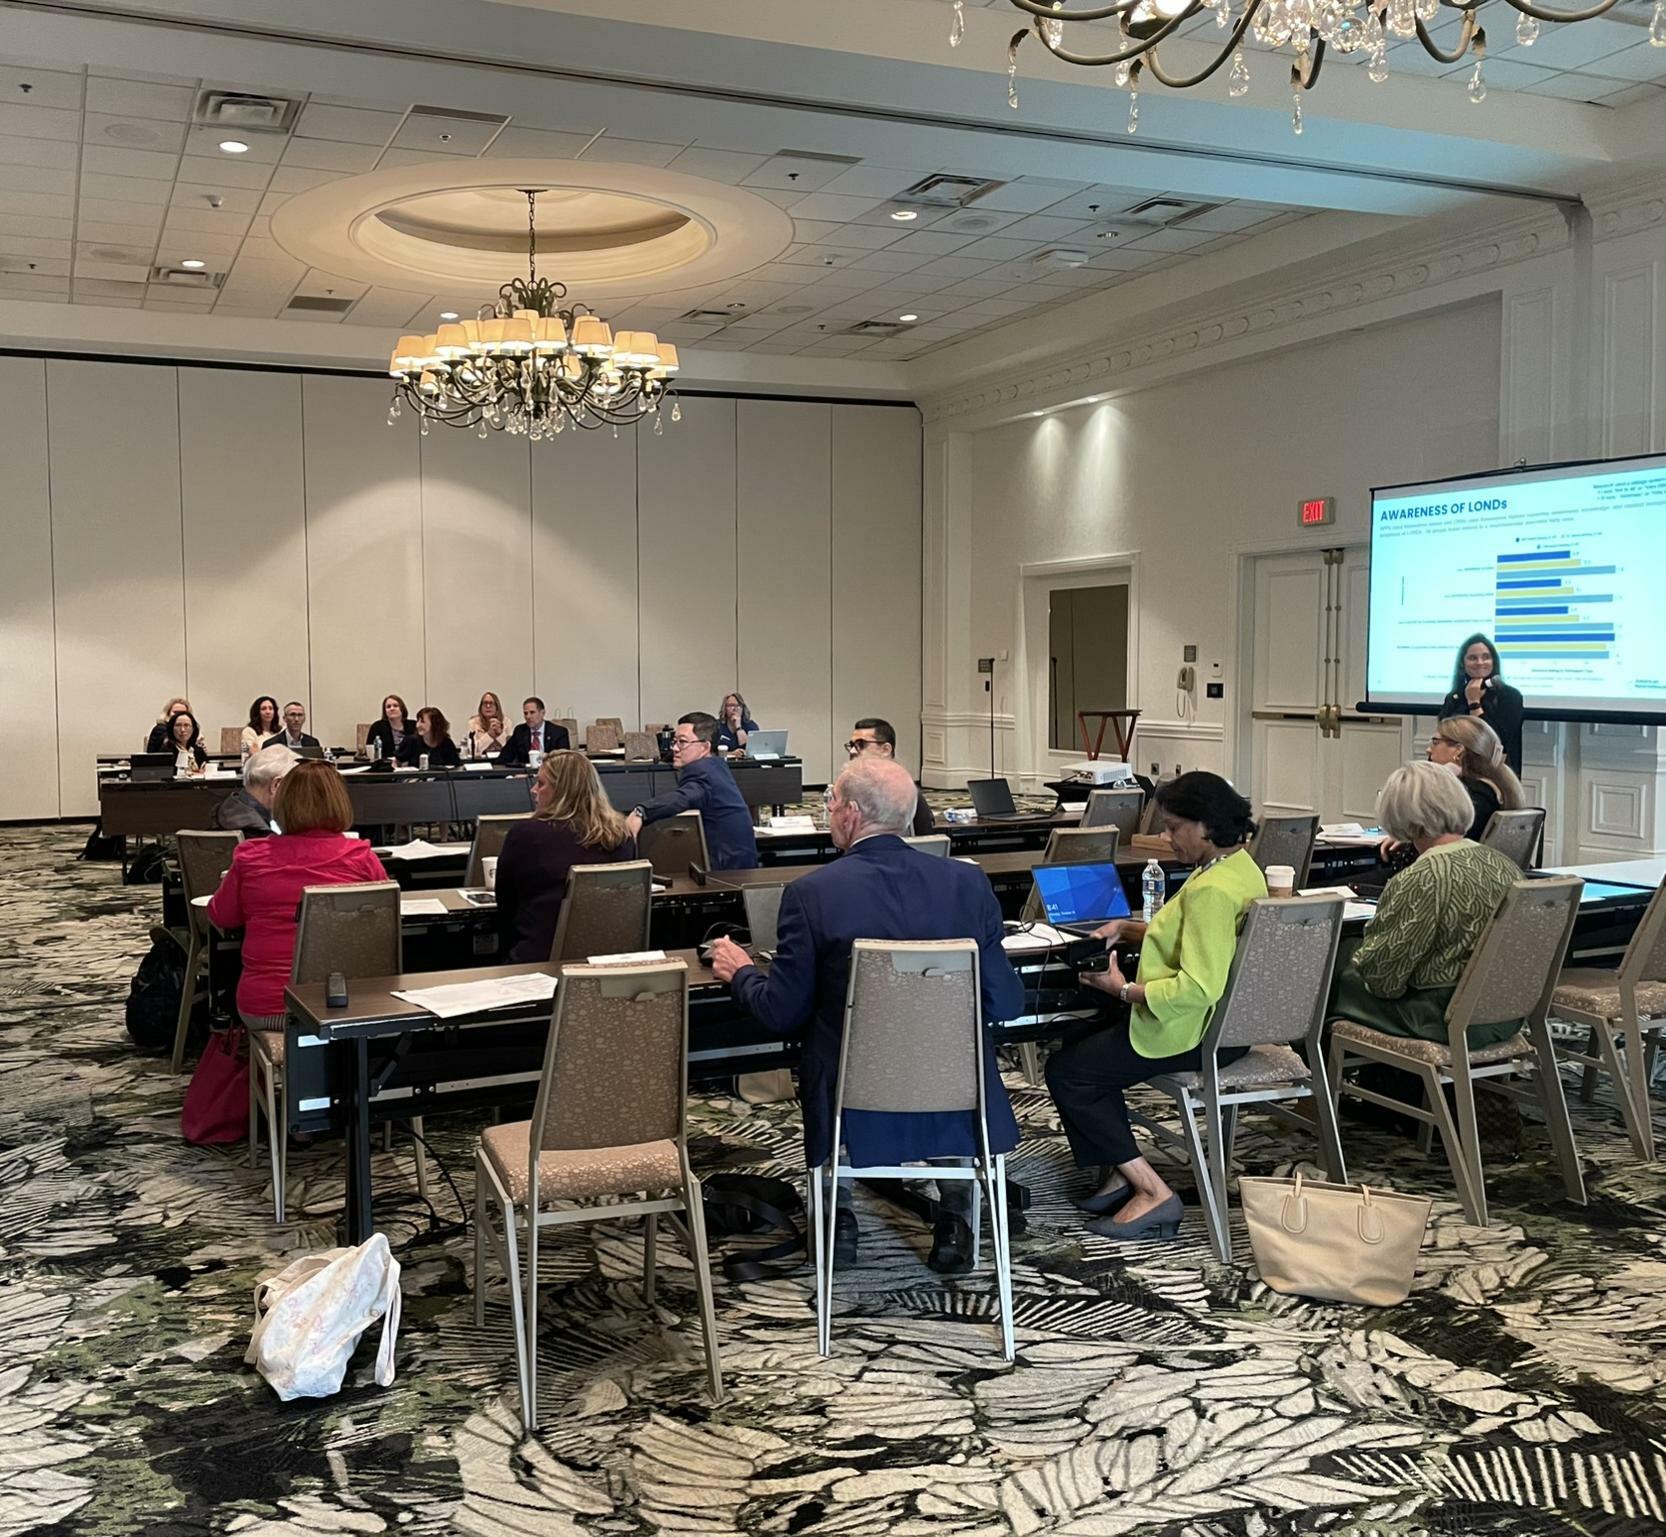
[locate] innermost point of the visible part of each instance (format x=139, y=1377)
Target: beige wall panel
x=876, y=572
x=28, y=661
x=243, y=499
x=686, y=514
x=364, y=554
x=584, y=577
x=477, y=556
x=783, y=499
x=118, y=580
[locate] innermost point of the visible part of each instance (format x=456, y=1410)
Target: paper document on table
x=626, y=958
x=1358, y=912
x=419, y=848
x=792, y=824
x=358, y=768
x=1346, y=892
x=1037, y=936
x=479, y=768
x=201, y=901
x=420, y=906
x=455, y=999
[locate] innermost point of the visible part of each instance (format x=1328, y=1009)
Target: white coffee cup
x=488, y=871
x=1281, y=881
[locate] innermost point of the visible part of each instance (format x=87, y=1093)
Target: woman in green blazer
x=1185, y=957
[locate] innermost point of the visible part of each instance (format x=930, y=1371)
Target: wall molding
x=1627, y=207
x=1269, y=306
x=1191, y=730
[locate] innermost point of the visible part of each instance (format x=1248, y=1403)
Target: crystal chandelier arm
x=1539, y=13
x=1435, y=51
x=1043, y=11
x=1139, y=46
x=1315, y=60
x=1181, y=82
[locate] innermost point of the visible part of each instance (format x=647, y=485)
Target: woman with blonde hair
x=1470, y=748
x=488, y=731
x=573, y=823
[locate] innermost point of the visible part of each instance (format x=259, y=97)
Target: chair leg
x=1202, y=1159
x=254, y=1112
x=976, y=1219
x=523, y=1355
x=650, y=1255
x=818, y=1234
x=825, y=1288
x=1000, y=1239
x=1029, y=1058
x=529, y=1311
x=1324, y=1115
x=1469, y=1134
x=1555, y=1105
x=479, y=1243
x=1588, y=1078
x=1463, y=1177
x=187, y=1001
x=695, y=1216
x=1637, y=1072
x=277, y=1137
x=421, y=1156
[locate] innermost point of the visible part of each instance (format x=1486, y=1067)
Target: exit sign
x=1320, y=510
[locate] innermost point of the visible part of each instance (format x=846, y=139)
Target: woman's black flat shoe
x=1160, y=1222
x=1103, y=1202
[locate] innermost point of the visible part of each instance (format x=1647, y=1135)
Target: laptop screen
x=991, y=797
x=1088, y=893
x=766, y=744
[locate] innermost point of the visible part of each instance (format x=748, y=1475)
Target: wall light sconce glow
x=233, y=147
x=906, y=318
x=193, y=264
x=904, y=215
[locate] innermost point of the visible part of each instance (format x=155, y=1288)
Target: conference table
x=416, y=797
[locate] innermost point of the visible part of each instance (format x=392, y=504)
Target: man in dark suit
x=292, y=736
x=879, y=889
x=534, y=732
x=704, y=784
x=878, y=739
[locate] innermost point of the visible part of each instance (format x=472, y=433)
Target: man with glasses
x=704, y=784
x=875, y=738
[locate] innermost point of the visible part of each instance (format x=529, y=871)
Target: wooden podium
x=1122, y=721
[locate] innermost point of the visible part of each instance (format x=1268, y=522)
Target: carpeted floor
x=1518, y=1390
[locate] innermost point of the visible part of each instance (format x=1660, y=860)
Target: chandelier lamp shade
x=1306, y=27
x=532, y=365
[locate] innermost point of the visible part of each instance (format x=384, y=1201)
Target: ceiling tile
x=792, y=173
x=126, y=189
x=954, y=267
x=1641, y=61
x=829, y=205
x=264, y=148
x=114, y=211
x=221, y=171
x=128, y=272
x=17, y=263
x=1028, y=195
x=632, y=151
x=999, y=248
x=56, y=154
x=932, y=242
x=399, y=157
x=349, y=125
x=47, y=87
x=53, y=205
x=178, y=246
x=535, y=143
x=35, y=178
x=1045, y=227
x=298, y=178
x=39, y=122
x=871, y=181
x=445, y=135
x=725, y=165
x=138, y=98
x=104, y=288
x=210, y=221
x=36, y=225
x=134, y=133
x=326, y=155
x=142, y=164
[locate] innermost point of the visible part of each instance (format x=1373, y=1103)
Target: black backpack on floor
x=153, y=999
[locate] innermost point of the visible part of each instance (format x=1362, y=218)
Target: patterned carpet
x=1518, y=1390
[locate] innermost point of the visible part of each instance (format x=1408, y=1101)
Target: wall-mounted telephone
x=1187, y=680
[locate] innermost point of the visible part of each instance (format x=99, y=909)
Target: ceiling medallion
x=532, y=366
x=1307, y=26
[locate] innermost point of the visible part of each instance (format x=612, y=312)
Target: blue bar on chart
x=1539, y=606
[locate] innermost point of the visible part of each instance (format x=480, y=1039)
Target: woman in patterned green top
x=1399, y=978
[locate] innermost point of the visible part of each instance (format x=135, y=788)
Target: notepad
x=421, y=906
x=479, y=768
x=455, y=999
x=1039, y=936
x=626, y=958
x=419, y=848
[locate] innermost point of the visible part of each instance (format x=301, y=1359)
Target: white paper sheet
x=479, y=768
x=455, y=999
x=420, y=906
x=626, y=958
x=419, y=848
x=1361, y=911
x=1041, y=936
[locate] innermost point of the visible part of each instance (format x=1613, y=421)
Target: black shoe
x=1103, y=1203
x=951, y=1245
x=1161, y=1221
x=844, y=1237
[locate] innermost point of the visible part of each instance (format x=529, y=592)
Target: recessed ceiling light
x=905, y=215
x=193, y=264
x=907, y=317
x=448, y=314
x=233, y=147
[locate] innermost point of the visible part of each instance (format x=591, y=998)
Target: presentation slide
x=1562, y=568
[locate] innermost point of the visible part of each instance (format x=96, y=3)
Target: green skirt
x=1420, y=1012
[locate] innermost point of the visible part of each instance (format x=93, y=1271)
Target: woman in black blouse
x=1479, y=691
x=574, y=824
x=388, y=735
x=432, y=738
x=185, y=742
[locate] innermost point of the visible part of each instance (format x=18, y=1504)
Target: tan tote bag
x=1341, y=1243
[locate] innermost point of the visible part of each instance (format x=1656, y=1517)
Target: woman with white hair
x=1400, y=977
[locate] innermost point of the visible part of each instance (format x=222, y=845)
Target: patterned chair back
x=489, y=832
x=351, y=929
x=1645, y=957
x=763, y=914
x=1280, y=979
x=936, y=844
x=1515, y=834
x=913, y=1019
x=231, y=739
x=640, y=747
x=1115, y=808
x=1286, y=840
x=615, y=1069
x=204, y=859
x=601, y=737
x=675, y=843
x=1514, y=968
x=605, y=912
x=575, y=737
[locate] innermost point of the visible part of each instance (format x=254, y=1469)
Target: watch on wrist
x=1123, y=995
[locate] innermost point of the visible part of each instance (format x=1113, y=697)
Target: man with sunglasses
x=875, y=738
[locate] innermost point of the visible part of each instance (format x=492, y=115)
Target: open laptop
x=148, y=767
x=992, y=800
x=766, y=744
x=1078, y=898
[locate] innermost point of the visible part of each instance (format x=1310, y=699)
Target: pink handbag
x=216, y=1109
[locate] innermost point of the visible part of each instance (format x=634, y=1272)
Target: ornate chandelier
x=1307, y=26
x=531, y=367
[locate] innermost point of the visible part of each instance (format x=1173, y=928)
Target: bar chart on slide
x=1551, y=604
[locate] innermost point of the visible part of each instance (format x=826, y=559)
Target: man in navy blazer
x=704, y=784
x=879, y=888
x=534, y=731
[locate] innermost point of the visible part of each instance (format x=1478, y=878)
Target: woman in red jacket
x=261, y=893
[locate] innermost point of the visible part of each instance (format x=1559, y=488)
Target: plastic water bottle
x=1154, y=888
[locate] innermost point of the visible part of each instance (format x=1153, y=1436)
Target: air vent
x=247, y=113
x=874, y=328
x=178, y=277
x=969, y=223
x=709, y=317
x=944, y=191
x=1165, y=211
x=121, y=253
x=817, y=157
x=1060, y=256
x=495, y=119
x=316, y=304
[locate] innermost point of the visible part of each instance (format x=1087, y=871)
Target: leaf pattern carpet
x=1518, y=1389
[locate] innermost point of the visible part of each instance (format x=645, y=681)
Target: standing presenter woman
x=1479, y=689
